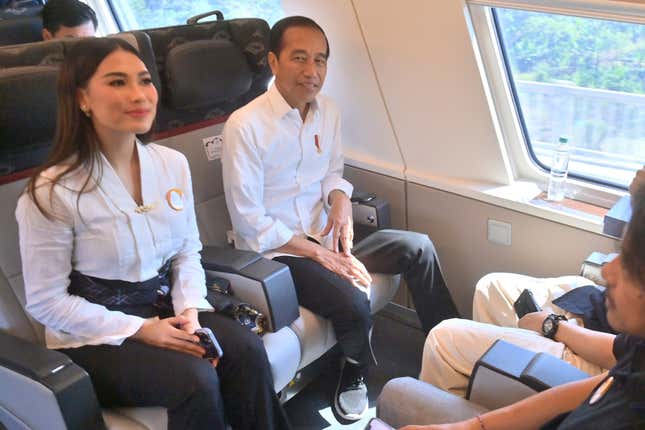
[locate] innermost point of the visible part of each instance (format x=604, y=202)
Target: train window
x=137, y=14
x=580, y=77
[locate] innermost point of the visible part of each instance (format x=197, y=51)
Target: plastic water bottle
x=559, y=170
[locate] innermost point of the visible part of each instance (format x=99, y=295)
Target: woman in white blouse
x=107, y=227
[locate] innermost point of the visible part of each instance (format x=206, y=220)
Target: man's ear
x=273, y=62
x=47, y=35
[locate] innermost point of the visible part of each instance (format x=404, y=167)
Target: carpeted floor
x=397, y=348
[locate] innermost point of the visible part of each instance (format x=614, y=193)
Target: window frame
x=505, y=107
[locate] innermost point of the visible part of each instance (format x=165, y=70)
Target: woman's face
x=625, y=300
x=120, y=96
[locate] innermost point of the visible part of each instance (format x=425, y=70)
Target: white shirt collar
x=280, y=106
x=117, y=191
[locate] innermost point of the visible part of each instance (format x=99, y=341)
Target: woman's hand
x=165, y=333
x=193, y=324
x=193, y=321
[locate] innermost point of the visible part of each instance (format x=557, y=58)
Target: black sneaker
x=350, y=400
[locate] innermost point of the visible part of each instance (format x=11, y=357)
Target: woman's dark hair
x=76, y=141
x=278, y=29
x=633, y=247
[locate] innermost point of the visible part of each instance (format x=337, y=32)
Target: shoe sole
x=339, y=410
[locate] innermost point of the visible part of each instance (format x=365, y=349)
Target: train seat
x=204, y=72
x=17, y=29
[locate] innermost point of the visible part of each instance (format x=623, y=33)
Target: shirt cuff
x=277, y=236
x=199, y=303
x=336, y=183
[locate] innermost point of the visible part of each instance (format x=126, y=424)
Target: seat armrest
x=405, y=401
x=43, y=388
x=264, y=283
x=369, y=213
x=507, y=373
x=545, y=371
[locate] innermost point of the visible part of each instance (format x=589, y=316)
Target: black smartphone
x=208, y=341
x=526, y=304
x=376, y=424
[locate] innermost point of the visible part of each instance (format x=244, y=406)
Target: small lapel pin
x=175, y=199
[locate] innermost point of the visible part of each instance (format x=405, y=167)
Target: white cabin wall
x=424, y=59
x=458, y=228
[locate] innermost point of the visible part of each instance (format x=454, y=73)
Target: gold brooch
x=175, y=199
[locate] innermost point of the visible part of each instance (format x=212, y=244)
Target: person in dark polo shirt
x=612, y=400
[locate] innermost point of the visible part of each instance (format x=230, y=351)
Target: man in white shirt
x=282, y=167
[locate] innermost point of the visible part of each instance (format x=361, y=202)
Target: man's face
x=302, y=66
x=84, y=30
x=625, y=299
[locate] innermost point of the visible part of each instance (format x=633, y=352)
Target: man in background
x=68, y=18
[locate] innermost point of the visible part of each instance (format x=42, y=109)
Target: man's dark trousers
x=386, y=251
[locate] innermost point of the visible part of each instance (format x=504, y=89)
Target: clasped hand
x=176, y=333
x=340, y=224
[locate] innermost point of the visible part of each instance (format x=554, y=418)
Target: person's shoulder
x=62, y=173
x=169, y=155
x=250, y=113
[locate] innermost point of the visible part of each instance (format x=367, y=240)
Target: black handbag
x=220, y=297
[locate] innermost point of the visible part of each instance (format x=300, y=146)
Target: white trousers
x=452, y=347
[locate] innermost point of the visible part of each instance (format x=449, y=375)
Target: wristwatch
x=550, y=325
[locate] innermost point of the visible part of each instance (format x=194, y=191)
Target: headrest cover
x=23, y=29
x=27, y=115
x=28, y=108
x=205, y=72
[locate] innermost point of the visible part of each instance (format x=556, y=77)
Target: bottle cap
x=563, y=139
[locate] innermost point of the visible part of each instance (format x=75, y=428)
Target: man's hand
x=638, y=181
x=164, y=333
x=340, y=221
x=347, y=266
x=533, y=321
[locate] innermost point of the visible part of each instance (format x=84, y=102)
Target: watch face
x=547, y=326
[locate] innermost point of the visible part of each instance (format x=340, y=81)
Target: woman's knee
x=250, y=353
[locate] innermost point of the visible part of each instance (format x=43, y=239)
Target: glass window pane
x=583, y=78
x=137, y=14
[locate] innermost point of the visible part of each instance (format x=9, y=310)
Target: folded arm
x=594, y=346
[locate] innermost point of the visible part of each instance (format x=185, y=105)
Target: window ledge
x=521, y=196
x=524, y=197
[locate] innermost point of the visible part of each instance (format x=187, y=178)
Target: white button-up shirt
x=109, y=236
x=279, y=170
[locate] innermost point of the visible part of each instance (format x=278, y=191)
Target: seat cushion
x=150, y=418
x=283, y=351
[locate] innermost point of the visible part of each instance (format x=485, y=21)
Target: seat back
x=27, y=122
x=24, y=26
x=207, y=71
